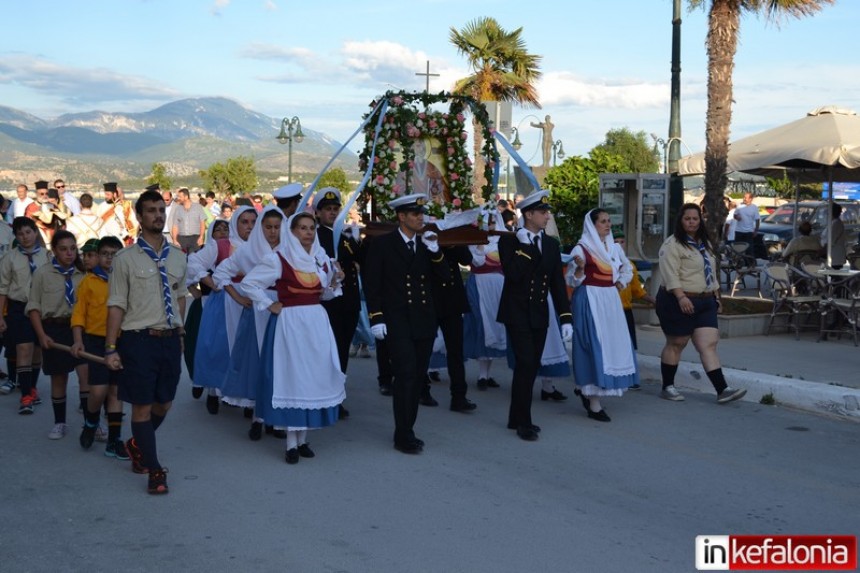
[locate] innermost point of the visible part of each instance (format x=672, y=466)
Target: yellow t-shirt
x=90, y=311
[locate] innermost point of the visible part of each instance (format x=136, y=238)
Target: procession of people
x=276, y=297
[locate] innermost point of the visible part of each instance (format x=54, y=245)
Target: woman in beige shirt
x=688, y=303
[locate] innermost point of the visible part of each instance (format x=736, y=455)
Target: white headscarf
x=235, y=239
x=209, y=238
x=257, y=247
x=602, y=248
x=315, y=261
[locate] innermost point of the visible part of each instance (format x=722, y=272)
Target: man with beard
x=113, y=215
x=45, y=212
x=147, y=303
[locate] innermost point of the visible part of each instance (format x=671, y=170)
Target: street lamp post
x=516, y=144
x=557, y=150
x=290, y=129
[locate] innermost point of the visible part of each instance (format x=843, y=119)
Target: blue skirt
x=244, y=369
x=587, y=350
x=473, y=327
x=284, y=417
x=212, y=354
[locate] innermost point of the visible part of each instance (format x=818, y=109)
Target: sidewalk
x=822, y=377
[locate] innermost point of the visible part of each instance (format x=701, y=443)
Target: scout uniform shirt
x=48, y=292
x=136, y=288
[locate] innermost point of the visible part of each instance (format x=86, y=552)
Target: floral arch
x=398, y=124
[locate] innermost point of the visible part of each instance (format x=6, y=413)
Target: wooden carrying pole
x=87, y=355
x=457, y=236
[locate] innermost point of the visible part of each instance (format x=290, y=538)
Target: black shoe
x=426, y=399
x=305, y=451
x=600, y=416
x=434, y=376
x=492, y=383
x=554, y=395
x=534, y=427
x=462, y=405
x=410, y=447
x=88, y=436
x=342, y=413
x=196, y=391
x=292, y=456
x=582, y=397
x=279, y=434
x=248, y=413
x=385, y=388
x=482, y=384
x=527, y=433
x=213, y=404
x=256, y=431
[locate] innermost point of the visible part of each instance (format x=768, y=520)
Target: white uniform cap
x=414, y=202
x=534, y=201
x=327, y=195
x=288, y=191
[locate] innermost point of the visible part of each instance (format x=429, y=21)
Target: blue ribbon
x=519, y=160
x=162, y=270
x=70, y=287
x=30, y=256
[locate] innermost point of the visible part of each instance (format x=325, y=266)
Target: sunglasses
x=60, y=187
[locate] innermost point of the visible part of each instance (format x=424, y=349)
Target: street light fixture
x=557, y=150
x=290, y=129
x=516, y=143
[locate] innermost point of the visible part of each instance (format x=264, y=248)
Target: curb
x=817, y=397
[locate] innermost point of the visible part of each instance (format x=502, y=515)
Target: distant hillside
x=186, y=135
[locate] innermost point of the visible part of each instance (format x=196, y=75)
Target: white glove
x=566, y=332
x=523, y=236
x=379, y=331
x=431, y=241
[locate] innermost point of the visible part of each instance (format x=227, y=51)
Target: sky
x=605, y=64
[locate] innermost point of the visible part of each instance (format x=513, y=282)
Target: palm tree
x=722, y=42
x=502, y=71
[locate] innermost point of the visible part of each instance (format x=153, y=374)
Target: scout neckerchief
x=101, y=273
x=162, y=270
x=67, y=274
x=30, y=256
x=709, y=273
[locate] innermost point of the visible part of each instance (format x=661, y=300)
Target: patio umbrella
x=823, y=146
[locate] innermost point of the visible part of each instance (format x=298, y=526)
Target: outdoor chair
x=805, y=256
x=740, y=264
x=781, y=281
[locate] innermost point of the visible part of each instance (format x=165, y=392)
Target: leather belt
x=708, y=294
x=165, y=333
x=61, y=320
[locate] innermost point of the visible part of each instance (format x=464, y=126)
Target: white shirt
x=71, y=202
x=746, y=216
x=17, y=208
x=732, y=225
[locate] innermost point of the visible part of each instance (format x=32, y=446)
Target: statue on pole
x=546, y=127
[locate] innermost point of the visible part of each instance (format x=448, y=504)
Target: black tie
x=537, y=241
x=411, y=245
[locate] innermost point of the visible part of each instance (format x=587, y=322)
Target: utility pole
x=676, y=183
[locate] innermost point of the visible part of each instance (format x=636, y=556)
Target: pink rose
x=396, y=100
x=468, y=162
x=379, y=179
x=456, y=202
x=393, y=165
x=450, y=150
x=376, y=160
x=461, y=117
x=422, y=115
x=464, y=135
x=455, y=176
x=433, y=124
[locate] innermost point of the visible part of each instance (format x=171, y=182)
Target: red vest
x=296, y=288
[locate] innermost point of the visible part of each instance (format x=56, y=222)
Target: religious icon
x=426, y=176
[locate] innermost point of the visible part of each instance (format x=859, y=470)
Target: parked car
x=777, y=229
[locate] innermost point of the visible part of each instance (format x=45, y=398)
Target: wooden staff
x=87, y=355
x=458, y=236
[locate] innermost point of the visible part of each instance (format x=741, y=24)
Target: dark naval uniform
x=531, y=271
x=451, y=304
x=399, y=293
x=343, y=310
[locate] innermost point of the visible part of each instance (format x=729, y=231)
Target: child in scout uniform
x=89, y=324
x=16, y=271
x=52, y=296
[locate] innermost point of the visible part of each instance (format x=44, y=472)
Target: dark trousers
x=527, y=345
x=383, y=362
x=188, y=243
x=343, y=325
x=409, y=361
x=452, y=332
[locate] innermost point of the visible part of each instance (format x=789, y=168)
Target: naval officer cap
x=327, y=196
x=409, y=203
x=288, y=191
x=536, y=200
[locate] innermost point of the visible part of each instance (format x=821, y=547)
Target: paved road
x=630, y=495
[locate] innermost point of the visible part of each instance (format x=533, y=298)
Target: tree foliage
x=159, y=176
x=235, y=176
x=633, y=148
x=335, y=177
x=502, y=70
x=785, y=188
x=575, y=185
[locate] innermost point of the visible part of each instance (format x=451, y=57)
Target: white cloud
x=566, y=88
x=219, y=6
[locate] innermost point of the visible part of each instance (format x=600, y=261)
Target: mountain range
x=186, y=136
